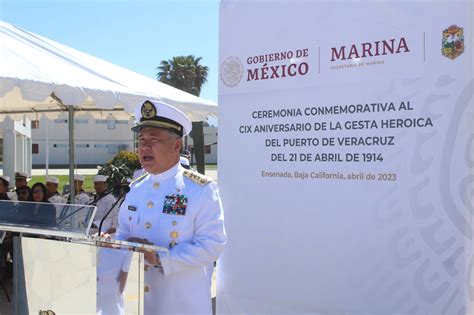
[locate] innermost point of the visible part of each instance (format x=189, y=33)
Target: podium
x=58, y=268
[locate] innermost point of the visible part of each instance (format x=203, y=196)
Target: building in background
x=98, y=137
x=210, y=145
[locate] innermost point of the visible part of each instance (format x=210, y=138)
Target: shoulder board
x=197, y=177
x=139, y=178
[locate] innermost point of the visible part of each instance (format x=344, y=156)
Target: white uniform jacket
x=12, y=195
x=58, y=202
x=79, y=199
x=103, y=205
x=181, y=210
x=56, y=198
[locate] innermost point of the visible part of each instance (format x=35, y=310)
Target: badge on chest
x=175, y=204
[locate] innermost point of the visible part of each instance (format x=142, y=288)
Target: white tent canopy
x=38, y=74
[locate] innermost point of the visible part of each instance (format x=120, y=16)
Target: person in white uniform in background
x=172, y=207
x=80, y=197
x=113, y=264
x=52, y=184
x=21, y=179
x=54, y=197
x=104, y=200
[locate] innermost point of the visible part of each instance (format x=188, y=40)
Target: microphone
x=126, y=189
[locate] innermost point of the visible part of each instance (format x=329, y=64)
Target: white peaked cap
x=100, y=178
x=52, y=179
x=79, y=177
x=7, y=178
x=21, y=175
x=161, y=115
x=183, y=161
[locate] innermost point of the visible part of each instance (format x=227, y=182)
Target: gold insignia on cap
x=174, y=234
x=148, y=110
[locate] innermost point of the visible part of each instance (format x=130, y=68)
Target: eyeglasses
x=37, y=191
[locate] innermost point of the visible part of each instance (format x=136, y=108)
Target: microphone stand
x=111, y=208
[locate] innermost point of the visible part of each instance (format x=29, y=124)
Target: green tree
x=183, y=72
x=120, y=167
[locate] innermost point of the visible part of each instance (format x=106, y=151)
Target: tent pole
x=47, y=144
x=71, y=154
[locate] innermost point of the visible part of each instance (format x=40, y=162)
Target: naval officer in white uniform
x=104, y=200
x=172, y=207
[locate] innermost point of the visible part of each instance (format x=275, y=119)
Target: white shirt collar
x=167, y=174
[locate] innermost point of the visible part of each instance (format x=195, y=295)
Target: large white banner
x=346, y=157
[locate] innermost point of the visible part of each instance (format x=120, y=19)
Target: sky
x=134, y=34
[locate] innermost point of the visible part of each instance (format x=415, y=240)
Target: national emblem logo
x=231, y=71
x=453, y=42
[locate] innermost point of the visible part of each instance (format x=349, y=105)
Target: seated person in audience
x=4, y=182
x=104, y=200
x=24, y=193
x=5, y=195
x=80, y=197
x=21, y=180
x=43, y=212
x=6, y=238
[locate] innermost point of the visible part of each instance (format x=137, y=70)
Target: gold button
x=174, y=234
x=174, y=222
x=145, y=267
x=146, y=289
x=150, y=204
x=129, y=218
x=156, y=185
x=147, y=225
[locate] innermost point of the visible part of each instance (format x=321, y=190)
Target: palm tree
x=184, y=73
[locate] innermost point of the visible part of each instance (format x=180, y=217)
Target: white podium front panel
x=71, y=278
x=58, y=276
